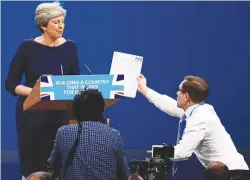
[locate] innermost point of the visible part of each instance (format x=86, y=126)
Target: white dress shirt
x=204, y=134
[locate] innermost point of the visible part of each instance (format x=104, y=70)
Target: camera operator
x=90, y=149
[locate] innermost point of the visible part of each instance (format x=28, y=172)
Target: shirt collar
x=190, y=109
x=91, y=123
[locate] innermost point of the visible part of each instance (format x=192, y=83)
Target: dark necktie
x=181, y=127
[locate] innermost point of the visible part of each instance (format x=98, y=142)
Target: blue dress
x=36, y=130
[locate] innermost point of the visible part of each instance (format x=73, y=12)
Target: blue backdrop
x=209, y=39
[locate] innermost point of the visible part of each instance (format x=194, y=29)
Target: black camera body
x=156, y=167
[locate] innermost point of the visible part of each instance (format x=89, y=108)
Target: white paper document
x=129, y=65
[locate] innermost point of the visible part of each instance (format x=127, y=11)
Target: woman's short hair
x=47, y=11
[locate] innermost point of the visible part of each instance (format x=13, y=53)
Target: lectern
x=58, y=92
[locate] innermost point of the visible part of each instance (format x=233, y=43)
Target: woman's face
x=55, y=27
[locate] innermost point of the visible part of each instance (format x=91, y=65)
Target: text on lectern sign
x=66, y=87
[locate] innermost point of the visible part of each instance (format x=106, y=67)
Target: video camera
x=156, y=167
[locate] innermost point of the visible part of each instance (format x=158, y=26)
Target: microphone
x=61, y=69
x=88, y=69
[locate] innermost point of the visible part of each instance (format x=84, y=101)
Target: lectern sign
x=66, y=87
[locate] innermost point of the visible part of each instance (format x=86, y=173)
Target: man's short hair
x=41, y=176
x=196, y=87
x=217, y=171
x=89, y=105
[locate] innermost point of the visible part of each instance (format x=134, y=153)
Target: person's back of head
x=217, y=171
x=196, y=87
x=41, y=176
x=89, y=105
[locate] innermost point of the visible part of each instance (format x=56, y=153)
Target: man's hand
x=142, y=85
x=135, y=176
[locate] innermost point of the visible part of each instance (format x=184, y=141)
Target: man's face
x=181, y=96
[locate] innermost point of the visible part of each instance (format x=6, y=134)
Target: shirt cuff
x=150, y=94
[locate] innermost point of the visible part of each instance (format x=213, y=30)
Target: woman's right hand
x=22, y=90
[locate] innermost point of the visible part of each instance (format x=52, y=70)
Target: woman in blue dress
x=51, y=54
